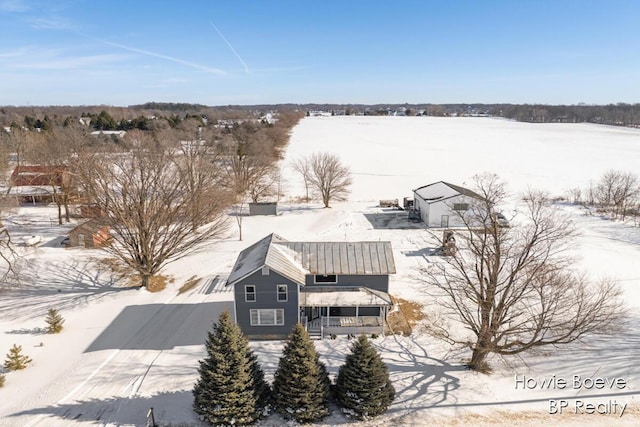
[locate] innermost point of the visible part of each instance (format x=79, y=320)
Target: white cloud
x=13, y=6
x=36, y=63
x=15, y=53
x=52, y=23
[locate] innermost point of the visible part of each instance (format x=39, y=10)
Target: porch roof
x=350, y=297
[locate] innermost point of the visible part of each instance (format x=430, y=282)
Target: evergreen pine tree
x=15, y=359
x=231, y=389
x=363, y=388
x=301, y=383
x=54, y=320
x=261, y=388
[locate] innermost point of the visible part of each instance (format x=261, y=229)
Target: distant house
x=440, y=204
x=330, y=287
x=37, y=183
x=90, y=234
x=27, y=175
x=114, y=133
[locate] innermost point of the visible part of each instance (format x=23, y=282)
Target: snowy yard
x=125, y=350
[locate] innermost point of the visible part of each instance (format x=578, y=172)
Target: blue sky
x=219, y=52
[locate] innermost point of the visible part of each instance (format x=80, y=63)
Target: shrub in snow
x=363, y=388
x=15, y=359
x=231, y=389
x=301, y=386
x=1, y=380
x=54, y=321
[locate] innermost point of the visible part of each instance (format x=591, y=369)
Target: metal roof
x=344, y=257
x=297, y=259
x=435, y=192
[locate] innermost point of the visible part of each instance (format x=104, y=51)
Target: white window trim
x=286, y=293
x=327, y=283
x=275, y=316
x=246, y=293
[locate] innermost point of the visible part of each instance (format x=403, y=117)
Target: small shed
x=90, y=234
x=263, y=208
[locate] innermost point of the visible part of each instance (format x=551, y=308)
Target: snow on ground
x=390, y=156
x=125, y=350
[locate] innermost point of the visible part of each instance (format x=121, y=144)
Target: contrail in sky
x=246, y=69
x=168, y=58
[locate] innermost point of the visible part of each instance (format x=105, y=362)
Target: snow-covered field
x=125, y=350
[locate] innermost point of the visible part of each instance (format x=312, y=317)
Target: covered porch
x=342, y=311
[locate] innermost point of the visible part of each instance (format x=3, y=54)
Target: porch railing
x=345, y=321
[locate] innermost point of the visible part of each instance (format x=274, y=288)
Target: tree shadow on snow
x=420, y=380
x=28, y=331
x=119, y=411
x=62, y=285
x=425, y=252
x=426, y=382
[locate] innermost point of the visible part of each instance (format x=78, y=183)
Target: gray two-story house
x=330, y=287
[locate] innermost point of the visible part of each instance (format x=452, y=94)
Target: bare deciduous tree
x=249, y=154
x=17, y=140
x=329, y=177
x=513, y=288
x=156, y=210
x=199, y=163
x=616, y=191
x=238, y=211
x=303, y=167
x=265, y=186
x=8, y=255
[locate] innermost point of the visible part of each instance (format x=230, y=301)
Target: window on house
x=267, y=317
x=460, y=206
x=325, y=278
x=282, y=292
x=249, y=293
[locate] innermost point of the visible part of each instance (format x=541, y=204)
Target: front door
x=444, y=221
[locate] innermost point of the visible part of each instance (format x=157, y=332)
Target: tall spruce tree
x=301, y=383
x=363, y=388
x=231, y=389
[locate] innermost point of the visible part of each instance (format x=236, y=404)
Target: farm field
x=124, y=350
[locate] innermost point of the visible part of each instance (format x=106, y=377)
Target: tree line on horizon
x=147, y=116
